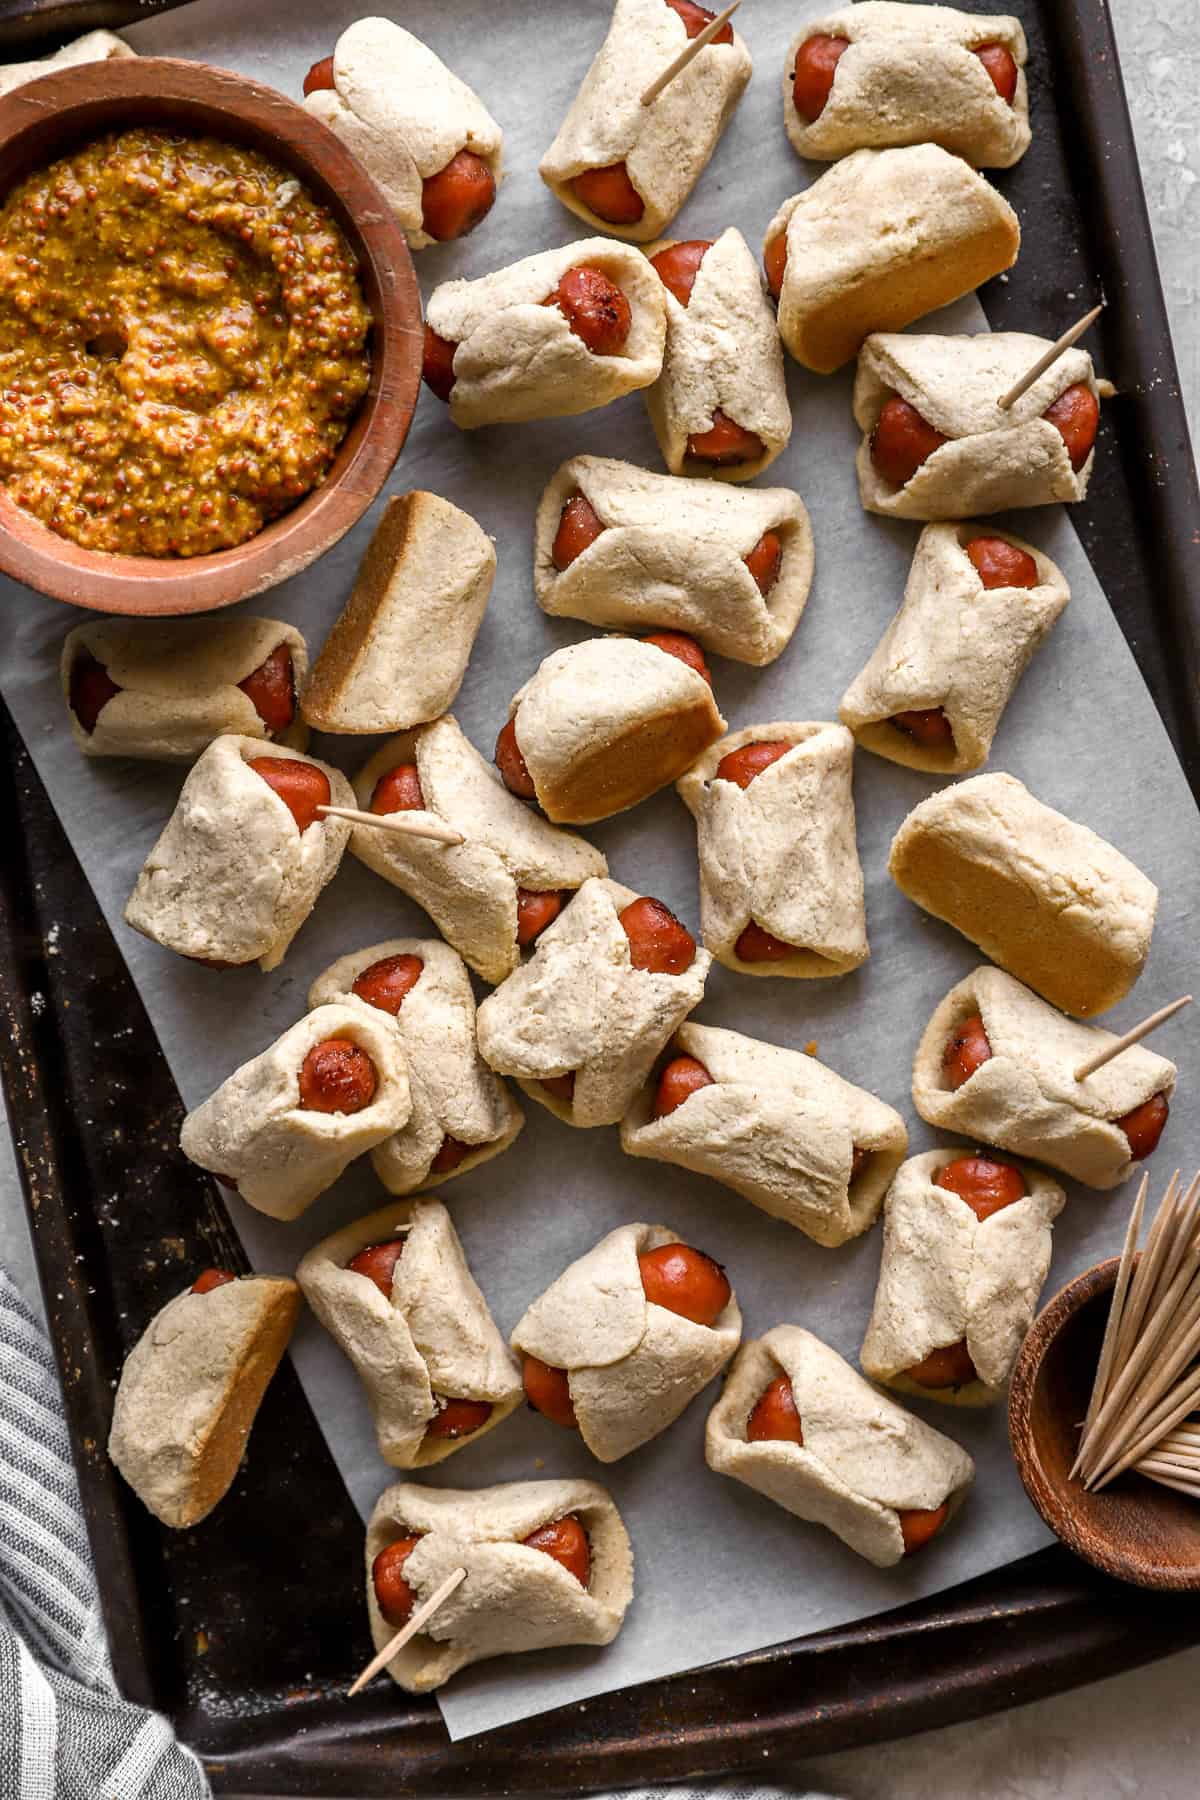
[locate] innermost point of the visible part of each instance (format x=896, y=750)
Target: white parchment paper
x=719, y=1570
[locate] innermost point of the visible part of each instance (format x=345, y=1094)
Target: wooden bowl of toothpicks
x=1134, y=1529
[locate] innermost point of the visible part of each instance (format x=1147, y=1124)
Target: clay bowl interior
x=42, y=121
x=1135, y=1530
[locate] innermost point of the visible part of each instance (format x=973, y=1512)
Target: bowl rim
x=1049, y=1499
x=37, y=122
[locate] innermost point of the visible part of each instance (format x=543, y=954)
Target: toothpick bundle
x=1148, y=1377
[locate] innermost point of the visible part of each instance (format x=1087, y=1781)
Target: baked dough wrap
x=955, y=645
x=864, y=1459
x=517, y=358
x=780, y=1129
x=911, y=76
x=578, y=1006
x=945, y=1277
x=454, y=1093
x=398, y=650
x=1048, y=899
x=469, y=890
x=782, y=852
x=632, y=1367
x=1025, y=1098
x=723, y=353
x=403, y=114
x=515, y=1597
x=434, y=1339
x=179, y=683
x=880, y=239
x=93, y=46
x=605, y=723
x=190, y=1389
x=993, y=461
x=254, y=1131
x=665, y=146
x=232, y=878
x=672, y=555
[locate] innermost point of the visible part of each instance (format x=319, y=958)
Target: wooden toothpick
x=440, y=1594
x=691, y=49
x=402, y=822
x=1052, y=355
x=1134, y=1036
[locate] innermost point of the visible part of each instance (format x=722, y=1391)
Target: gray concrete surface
x=1137, y=1734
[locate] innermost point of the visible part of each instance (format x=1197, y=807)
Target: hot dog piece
x=950, y=1366
x=679, y=264
x=337, y=1076
x=999, y=63
x=536, y=910
x=458, y=197
x=775, y=263
x=567, y=1542
x=549, y=1392
x=609, y=193
x=859, y=1158
x=918, y=1526
x=458, y=1418
x=765, y=560
x=437, y=369
x=300, y=785
x=378, y=1263
x=451, y=1152
x=901, y=441
x=210, y=1279
x=91, y=690
x=657, y=940
x=595, y=309
x=384, y=984
x=272, y=690
x=927, y=726
x=577, y=528
x=741, y=766
x=1144, y=1126
x=511, y=764
x=685, y=1281
x=775, y=1419
x=1001, y=564
x=985, y=1185
x=967, y=1049
x=695, y=18
x=683, y=647
x=398, y=791
x=754, y=945
x=816, y=65
x=393, y=1596
x=725, y=442
x=682, y=1077
x=1076, y=414
x=319, y=76
x=561, y=1086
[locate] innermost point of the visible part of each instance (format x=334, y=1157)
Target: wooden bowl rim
x=1051, y=1502
x=68, y=105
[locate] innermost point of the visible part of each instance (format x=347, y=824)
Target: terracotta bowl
x=1135, y=1530
x=40, y=122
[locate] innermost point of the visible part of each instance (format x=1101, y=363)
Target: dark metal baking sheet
x=246, y=1637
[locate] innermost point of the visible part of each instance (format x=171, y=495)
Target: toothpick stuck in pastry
x=1052, y=355
x=401, y=822
x=410, y=1630
x=1133, y=1036
x=691, y=49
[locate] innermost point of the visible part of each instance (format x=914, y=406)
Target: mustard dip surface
x=183, y=342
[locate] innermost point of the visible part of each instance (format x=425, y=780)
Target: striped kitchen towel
x=65, y=1732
